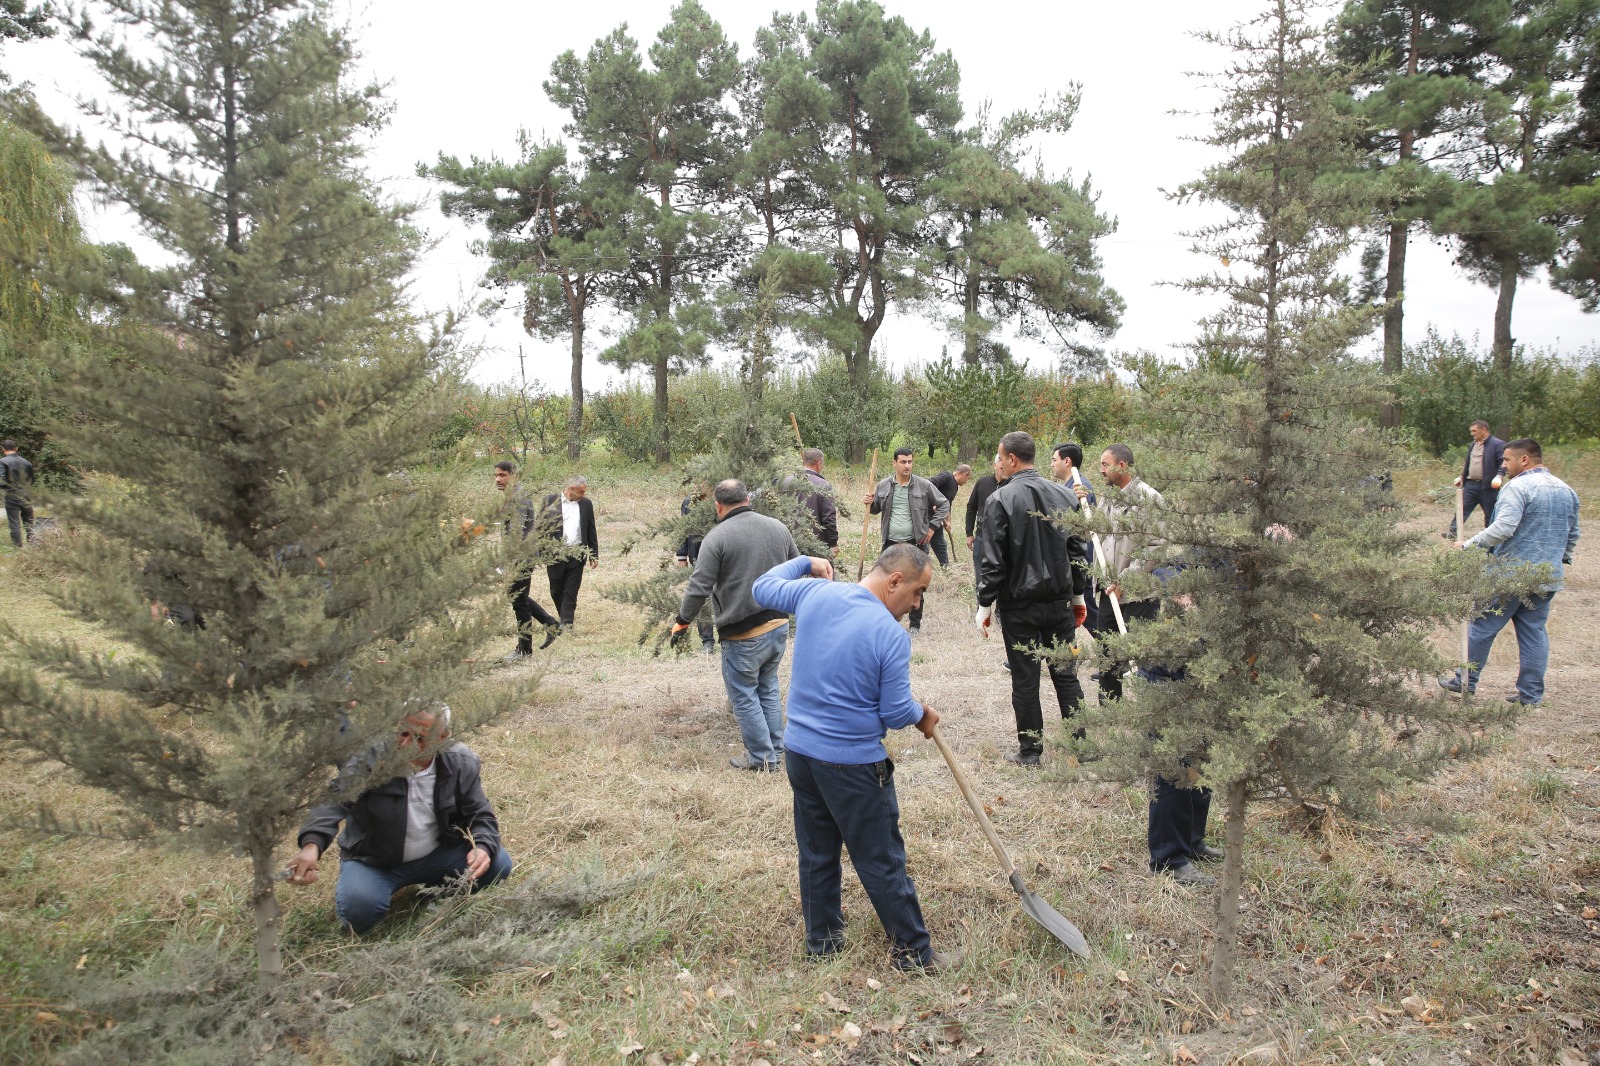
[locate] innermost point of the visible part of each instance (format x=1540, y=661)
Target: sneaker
x=1207, y=853
x=745, y=761
x=1189, y=875
x=1022, y=758
x=1452, y=683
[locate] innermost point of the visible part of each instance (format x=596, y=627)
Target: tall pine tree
x=1299, y=621
x=273, y=384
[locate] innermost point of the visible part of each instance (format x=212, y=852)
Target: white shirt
x=570, y=529
x=422, y=821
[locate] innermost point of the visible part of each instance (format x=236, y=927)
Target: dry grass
x=1472, y=904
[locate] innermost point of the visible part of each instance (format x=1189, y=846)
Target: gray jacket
x=929, y=508
x=740, y=548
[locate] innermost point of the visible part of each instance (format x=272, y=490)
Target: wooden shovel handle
x=973, y=802
x=866, y=519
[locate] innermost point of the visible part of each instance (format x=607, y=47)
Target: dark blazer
x=1494, y=460
x=981, y=491
x=375, y=821
x=587, y=535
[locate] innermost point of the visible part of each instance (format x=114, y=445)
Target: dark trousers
x=566, y=578
x=1475, y=494
x=853, y=806
x=940, y=547
x=19, y=516
x=1111, y=673
x=528, y=611
x=1022, y=624
x=914, y=618
x=1177, y=823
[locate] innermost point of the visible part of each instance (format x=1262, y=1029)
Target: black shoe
x=1207, y=853
x=1022, y=758
x=1452, y=683
x=938, y=962
x=517, y=656
x=550, y=635
x=916, y=629
x=1515, y=698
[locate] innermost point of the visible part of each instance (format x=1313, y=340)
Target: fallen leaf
x=1590, y=914
x=629, y=1049
x=1122, y=976
x=559, y=1060
x=45, y=1017
x=834, y=1003
x=1182, y=1054
x=874, y=984
x=1571, y=1057
x=953, y=1033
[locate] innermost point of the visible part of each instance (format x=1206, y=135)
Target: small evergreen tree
x=273, y=384
x=1301, y=620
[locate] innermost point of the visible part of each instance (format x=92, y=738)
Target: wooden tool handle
x=1466, y=627
x=972, y=801
x=866, y=519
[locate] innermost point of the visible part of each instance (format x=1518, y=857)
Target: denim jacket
x=1535, y=521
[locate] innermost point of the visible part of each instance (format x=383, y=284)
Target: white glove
x=983, y=618
x=1495, y=483
x=1456, y=483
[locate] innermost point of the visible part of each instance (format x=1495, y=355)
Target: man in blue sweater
x=852, y=684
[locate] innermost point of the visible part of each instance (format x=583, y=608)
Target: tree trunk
x=264, y=906
x=575, y=408
x=1225, y=951
x=1502, y=335
x=663, y=431
x=1394, y=316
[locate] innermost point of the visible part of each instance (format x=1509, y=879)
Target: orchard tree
x=657, y=142
x=272, y=385
x=1018, y=247
x=1419, y=66
x=544, y=226
x=1297, y=621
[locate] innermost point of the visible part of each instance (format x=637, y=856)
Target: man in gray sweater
x=741, y=547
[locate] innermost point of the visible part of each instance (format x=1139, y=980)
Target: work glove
x=983, y=618
x=679, y=628
x=1080, y=611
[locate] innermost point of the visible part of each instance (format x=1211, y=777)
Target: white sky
x=465, y=79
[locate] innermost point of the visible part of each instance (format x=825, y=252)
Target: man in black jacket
x=429, y=825
x=1482, y=473
x=16, y=479
x=980, y=495
x=568, y=518
x=520, y=522
x=1035, y=572
x=949, y=483
x=815, y=494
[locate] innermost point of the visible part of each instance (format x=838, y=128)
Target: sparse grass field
x=1462, y=929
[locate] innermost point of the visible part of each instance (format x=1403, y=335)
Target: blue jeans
x=1177, y=825
x=362, y=896
x=750, y=674
x=1475, y=494
x=854, y=806
x=1533, y=643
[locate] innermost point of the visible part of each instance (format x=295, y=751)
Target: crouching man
x=421, y=828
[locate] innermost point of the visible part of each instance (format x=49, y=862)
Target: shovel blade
x=1054, y=922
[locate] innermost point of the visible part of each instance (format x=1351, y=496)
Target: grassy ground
x=1460, y=930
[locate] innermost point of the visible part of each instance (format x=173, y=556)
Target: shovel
x=1040, y=911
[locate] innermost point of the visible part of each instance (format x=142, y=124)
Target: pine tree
x=1299, y=620
x=859, y=115
x=545, y=224
x=1018, y=246
x=657, y=141
x=272, y=389
x=1420, y=65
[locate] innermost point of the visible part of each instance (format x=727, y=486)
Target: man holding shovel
x=852, y=684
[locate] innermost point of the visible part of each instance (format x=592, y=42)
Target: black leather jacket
x=375, y=821
x=1027, y=557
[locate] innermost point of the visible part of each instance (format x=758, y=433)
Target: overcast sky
x=466, y=77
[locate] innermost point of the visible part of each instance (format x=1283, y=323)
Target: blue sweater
x=851, y=680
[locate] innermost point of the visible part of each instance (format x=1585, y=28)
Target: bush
x=832, y=415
